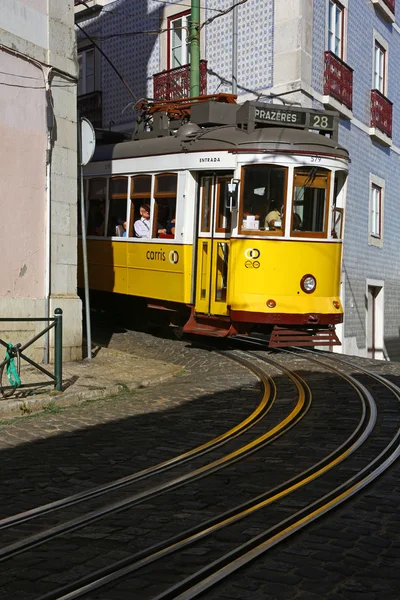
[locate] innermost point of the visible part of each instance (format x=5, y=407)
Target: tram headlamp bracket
x=231, y=201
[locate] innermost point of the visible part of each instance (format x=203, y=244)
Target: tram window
x=97, y=206
x=310, y=202
x=117, y=211
x=263, y=197
x=140, y=195
x=165, y=206
x=206, y=200
x=224, y=216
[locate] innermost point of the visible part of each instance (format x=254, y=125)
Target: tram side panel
x=262, y=270
x=158, y=271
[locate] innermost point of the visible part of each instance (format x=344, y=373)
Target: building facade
x=38, y=157
x=307, y=52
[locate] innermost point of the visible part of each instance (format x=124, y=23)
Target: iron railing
x=381, y=112
x=175, y=83
x=390, y=4
x=18, y=349
x=338, y=79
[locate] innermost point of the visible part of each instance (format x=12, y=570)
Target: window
x=335, y=28
x=379, y=68
x=206, y=196
x=139, y=225
x=224, y=215
x=165, y=205
x=86, y=83
x=117, y=211
x=263, y=197
x=375, y=215
x=179, y=40
x=97, y=207
x=310, y=202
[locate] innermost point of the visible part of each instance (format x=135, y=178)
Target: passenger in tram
x=142, y=225
x=296, y=222
x=273, y=220
x=120, y=228
x=168, y=230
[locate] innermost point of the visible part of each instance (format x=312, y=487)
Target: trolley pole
x=234, y=47
x=195, y=49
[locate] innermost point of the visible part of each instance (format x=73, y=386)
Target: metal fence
x=16, y=352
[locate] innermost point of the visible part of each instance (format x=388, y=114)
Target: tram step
x=209, y=325
x=294, y=337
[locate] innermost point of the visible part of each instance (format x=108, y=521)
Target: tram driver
x=273, y=220
x=142, y=225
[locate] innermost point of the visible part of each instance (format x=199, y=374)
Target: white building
x=38, y=172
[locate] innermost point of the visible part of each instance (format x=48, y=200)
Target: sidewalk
x=108, y=373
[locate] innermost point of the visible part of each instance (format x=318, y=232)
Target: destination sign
x=281, y=116
x=289, y=116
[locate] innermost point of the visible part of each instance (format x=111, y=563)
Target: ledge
x=379, y=136
x=334, y=104
x=384, y=10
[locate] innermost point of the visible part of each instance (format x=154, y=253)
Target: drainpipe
x=234, y=47
x=50, y=124
x=195, y=49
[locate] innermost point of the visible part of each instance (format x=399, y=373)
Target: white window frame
x=185, y=19
x=376, y=206
x=334, y=32
x=83, y=87
x=380, y=66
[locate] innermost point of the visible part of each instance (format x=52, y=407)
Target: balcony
x=338, y=84
x=381, y=117
x=90, y=106
x=175, y=83
x=386, y=8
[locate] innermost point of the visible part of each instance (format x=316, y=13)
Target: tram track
x=267, y=401
x=229, y=563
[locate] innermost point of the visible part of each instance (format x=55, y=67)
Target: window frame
x=375, y=238
x=117, y=196
x=380, y=44
x=144, y=199
x=338, y=7
x=161, y=195
x=82, y=60
x=262, y=232
x=185, y=16
x=312, y=234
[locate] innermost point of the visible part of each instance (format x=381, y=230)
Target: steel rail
x=262, y=409
x=130, y=564
x=205, y=578
x=295, y=415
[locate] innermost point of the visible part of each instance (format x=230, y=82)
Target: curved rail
x=129, y=565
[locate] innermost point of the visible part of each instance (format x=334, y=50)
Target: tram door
x=213, y=245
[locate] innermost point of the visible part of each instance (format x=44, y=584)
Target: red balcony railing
x=91, y=107
x=390, y=4
x=175, y=83
x=381, y=112
x=338, y=80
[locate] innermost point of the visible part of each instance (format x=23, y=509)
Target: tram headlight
x=308, y=284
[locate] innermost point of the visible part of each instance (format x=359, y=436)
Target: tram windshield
x=310, y=201
x=263, y=199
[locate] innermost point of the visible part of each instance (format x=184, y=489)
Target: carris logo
x=173, y=257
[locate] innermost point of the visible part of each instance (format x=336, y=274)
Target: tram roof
x=191, y=138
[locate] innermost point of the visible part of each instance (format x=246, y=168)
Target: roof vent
x=187, y=130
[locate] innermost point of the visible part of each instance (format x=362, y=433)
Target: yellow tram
x=229, y=223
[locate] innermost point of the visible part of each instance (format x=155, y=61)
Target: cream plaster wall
x=38, y=214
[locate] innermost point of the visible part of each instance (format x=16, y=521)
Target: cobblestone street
x=352, y=553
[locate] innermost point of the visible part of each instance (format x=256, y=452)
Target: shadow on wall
x=392, y=347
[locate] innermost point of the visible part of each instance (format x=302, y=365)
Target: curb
x=10, y=409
